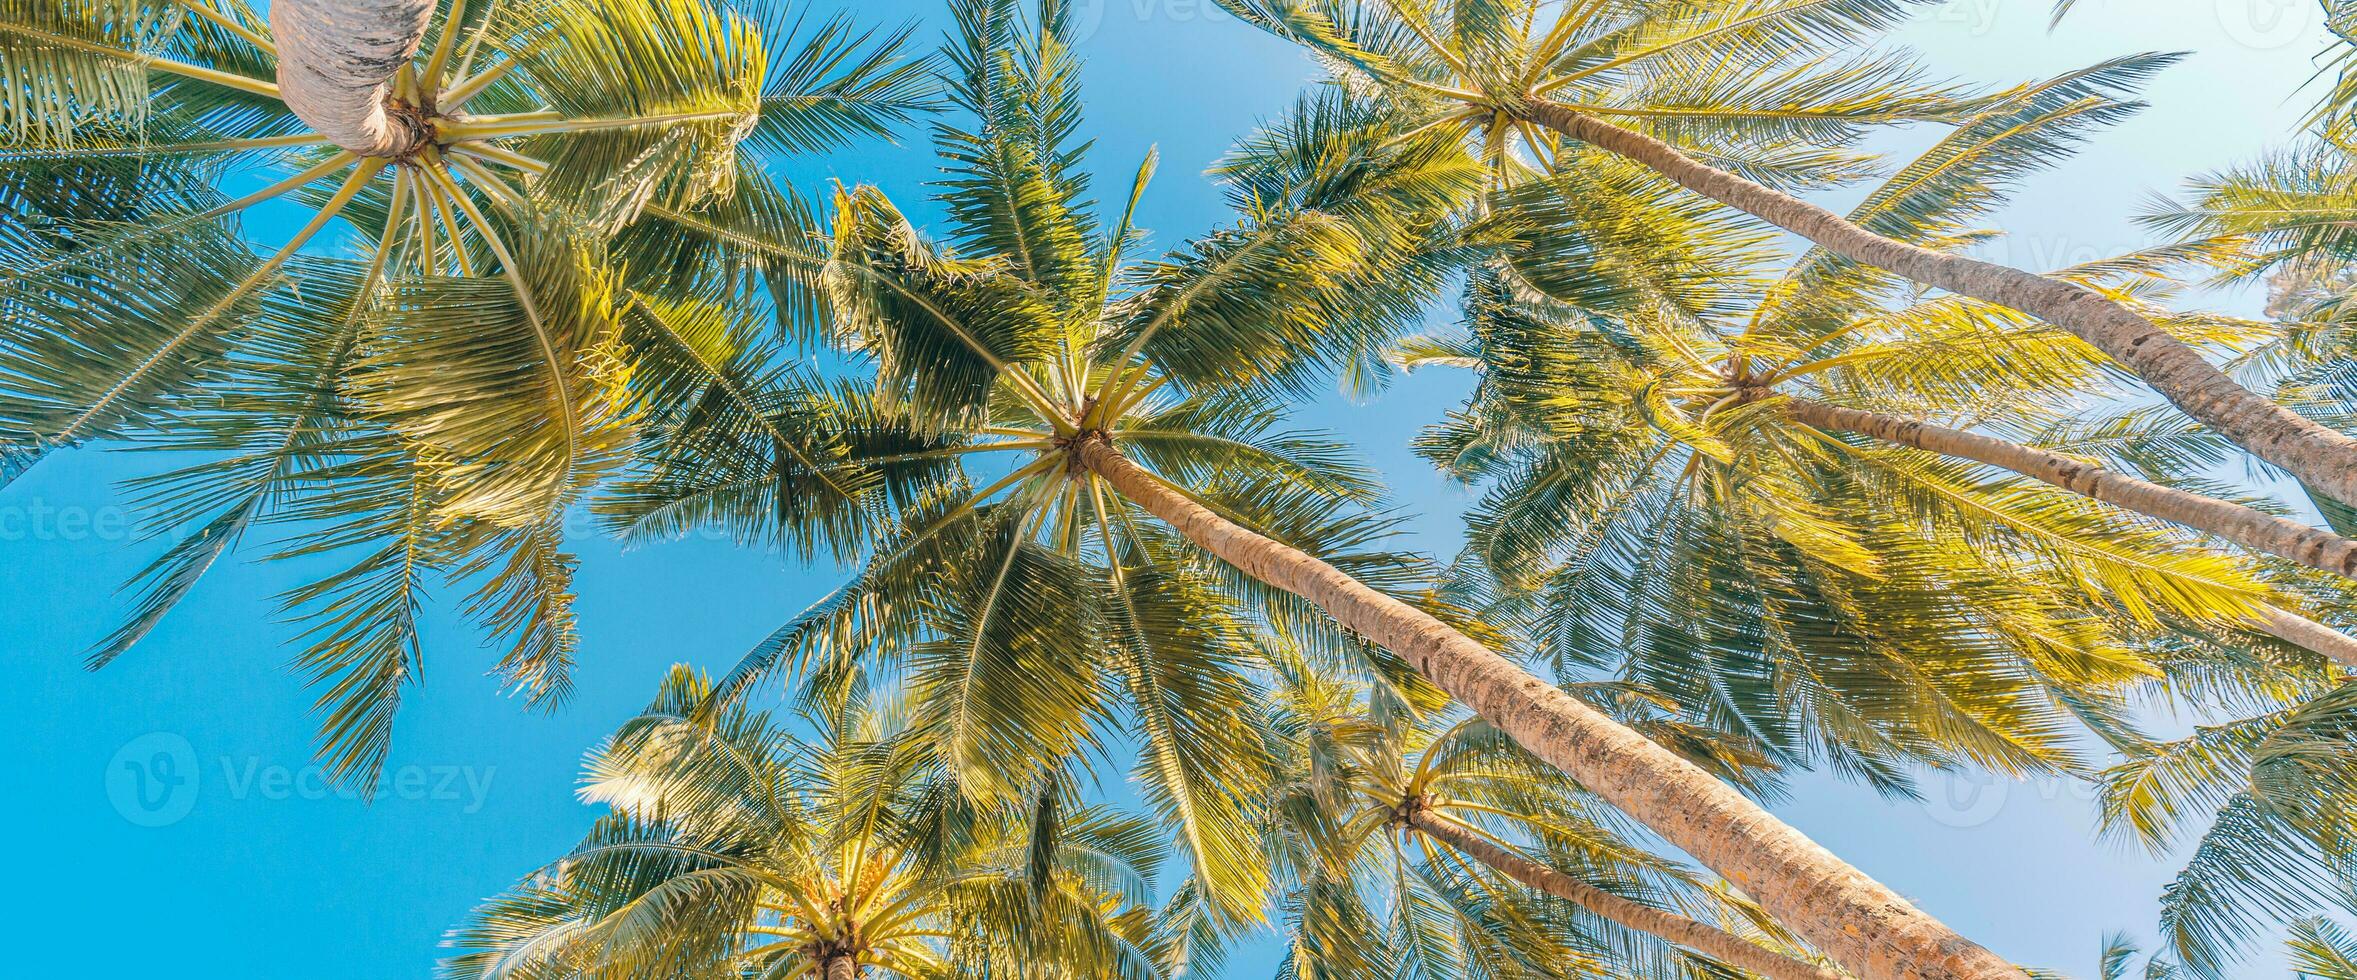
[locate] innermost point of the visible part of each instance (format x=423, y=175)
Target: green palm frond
x=693, y=80
x=942, y=328
x=842, y=83
x=1014, y=187
x=2291, y=207
x=74, y=66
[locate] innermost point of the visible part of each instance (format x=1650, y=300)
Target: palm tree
x=1691, y=91
x=2262, y=791
x=428, y=411
x=1035, y=339
x=1029, y=613
x=1608, y=441
x=1443, y=795
x=735, y=848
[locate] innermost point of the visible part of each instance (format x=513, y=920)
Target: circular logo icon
x=1966, y=801
x=1087, y=16
x=152, y=779
x=2266, y=25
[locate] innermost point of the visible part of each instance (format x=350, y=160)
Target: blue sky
x=269, y=874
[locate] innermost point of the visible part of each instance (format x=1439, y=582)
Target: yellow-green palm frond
x=690, y=73
x=1014, y=188
x=1932, y=199
x=517, y=395
x=2292, y=208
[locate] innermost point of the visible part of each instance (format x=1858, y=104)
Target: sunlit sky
x=269, y=874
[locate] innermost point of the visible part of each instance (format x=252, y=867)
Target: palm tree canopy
x=735, y=848
x=423, y=414
x=1652, y=510
x=1029, y=612
x=1365, y=896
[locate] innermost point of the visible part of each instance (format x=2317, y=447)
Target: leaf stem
x=361, y=175
x=150, y=62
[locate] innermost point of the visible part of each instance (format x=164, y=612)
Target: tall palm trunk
x=2307, y=634
x=1711, y=941
x=2258, y=531
x=2325, y=459
x=1866, y=927
x=336, y=61
x=842, y=968
x=2282, y=537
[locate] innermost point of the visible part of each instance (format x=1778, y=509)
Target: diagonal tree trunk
x=1859, y=923
x=336, y=62
x=2324, y=459
x=1709, y=940
x=2307, y=634
x=2314, y=547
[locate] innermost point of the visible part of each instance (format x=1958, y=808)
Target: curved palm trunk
x=842, y=968
x=1716, y=943
x=1861, y=924
x=2314, y=547
x=2282, y=537
x=2323, y=458
x=336, y=62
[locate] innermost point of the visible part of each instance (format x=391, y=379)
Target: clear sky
x=263, y=873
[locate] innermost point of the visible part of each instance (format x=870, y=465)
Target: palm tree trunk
x=2282, y=537
x=2307, y=634
x=842, y=968
x=2323, y=458
x=1711, y=941
x=2314, y=547
x=1861, y=924
x=336, y=61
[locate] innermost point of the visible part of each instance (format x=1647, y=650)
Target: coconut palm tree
x=735, y=848
x=1687, y=490
x=1584, y=249
x=1031, y=612
x=1440, y=819
x=1109, y=392
x=427, y=411
x=1692, y=91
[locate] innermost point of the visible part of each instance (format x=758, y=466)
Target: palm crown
x=428, y=410
x=735, y=848
x=1027, y=603
x=1371, y=891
